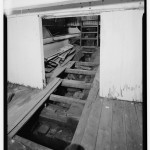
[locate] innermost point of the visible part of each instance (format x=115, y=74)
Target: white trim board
x=93, y=10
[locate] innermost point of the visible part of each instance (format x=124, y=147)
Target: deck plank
x=133, y=132
x=139, y=112
x=104, y=132
x=91, y=130
x=118, y=126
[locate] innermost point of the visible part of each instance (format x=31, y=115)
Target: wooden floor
x=104, y=124
x=112, y=125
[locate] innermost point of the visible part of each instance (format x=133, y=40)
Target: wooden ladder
x=88, y=33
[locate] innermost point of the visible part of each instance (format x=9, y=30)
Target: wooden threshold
x=30, y=144
x=64, y=99
x=75, y=84
x=80, y=71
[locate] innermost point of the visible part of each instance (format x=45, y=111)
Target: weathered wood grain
x=104, y=132
x=139, y=111
x=118, y=141
x=133, y=132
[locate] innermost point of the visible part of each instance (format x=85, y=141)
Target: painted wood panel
x=121, y=55
x=25, y=53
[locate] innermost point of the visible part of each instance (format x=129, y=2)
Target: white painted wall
x=121, y=55
x=25, y=51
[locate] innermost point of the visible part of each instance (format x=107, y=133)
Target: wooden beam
x=87, y=64
x=64, y=99
x=30, y=144
x=104, y=130
x=20, y=113
x=87, y=52
x=76, y=84
x=80, y=71
x=61, y=68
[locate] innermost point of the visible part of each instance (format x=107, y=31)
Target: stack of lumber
x=58, y=58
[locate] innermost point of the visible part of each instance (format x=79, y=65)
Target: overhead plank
x=77, y=138
x=80, y=71
x=19, y=113
x=104, y=133
x=133, y=131
x=118, y=141
x=76, y=84
x=30, y=144
x=64, y=99
x=91, y=130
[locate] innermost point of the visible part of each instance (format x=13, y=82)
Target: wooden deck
x=111, y=125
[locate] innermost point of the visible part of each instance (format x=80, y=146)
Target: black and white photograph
x=74, y=75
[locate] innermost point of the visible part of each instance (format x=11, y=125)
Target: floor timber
x=112, y=125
